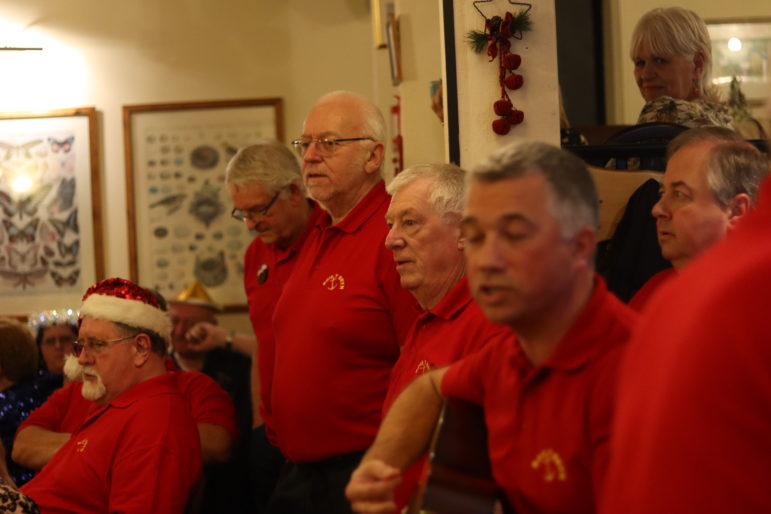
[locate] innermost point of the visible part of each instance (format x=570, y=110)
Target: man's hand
x=205, y=336
x=371, y=488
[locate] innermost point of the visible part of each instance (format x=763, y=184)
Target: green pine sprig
x=521, y=22
x=478, y=39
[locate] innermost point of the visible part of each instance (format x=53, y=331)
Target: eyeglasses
x=93, y=345
x=252, y=212
x=62, y=340
x=325, y=146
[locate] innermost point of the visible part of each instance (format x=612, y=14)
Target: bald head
x=342, y=151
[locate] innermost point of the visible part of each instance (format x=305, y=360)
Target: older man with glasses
x=138, y=448
x=343, y=312
x=268, y=195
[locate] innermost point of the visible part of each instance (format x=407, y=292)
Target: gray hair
x=373, y=121
x=733, y=165
x=267, y=162
x=573, y=200
x=699, y=135
x=734, y=168
x=447, y=187
x=675, y=31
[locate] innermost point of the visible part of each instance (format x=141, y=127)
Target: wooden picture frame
x=51, y=232
x=746, y=57
x=394, y=48
x=179, y=221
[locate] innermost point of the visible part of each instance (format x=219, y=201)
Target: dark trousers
x=266, y=464
x=314, y=487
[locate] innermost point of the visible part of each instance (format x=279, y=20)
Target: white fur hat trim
x=134, y=313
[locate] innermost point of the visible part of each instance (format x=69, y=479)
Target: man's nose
x=488, y=254
x=312, y=153
x=84, y=357
x=393, y=240
x=660, y=209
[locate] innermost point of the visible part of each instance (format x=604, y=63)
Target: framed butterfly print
x=179, y=221
x=50, y=228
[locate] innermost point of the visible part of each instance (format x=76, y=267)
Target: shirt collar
x=313, y=219
x=586, y=336
x=162, y=384
x=583, y=341
x=456, y=299
x=367, y=207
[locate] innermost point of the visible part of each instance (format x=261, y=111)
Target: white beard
x=72, y=368
x=92, y=391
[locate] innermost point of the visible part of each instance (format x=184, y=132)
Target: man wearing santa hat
x=138, y=448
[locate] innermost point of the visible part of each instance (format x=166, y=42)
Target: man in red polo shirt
x=710, y=184
x=268, y=194
x=693, y=425
x=424, y=220
x=138, y=451
x=342, y=314
x=529, y=232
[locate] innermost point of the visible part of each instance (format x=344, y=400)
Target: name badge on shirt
x=262, y=274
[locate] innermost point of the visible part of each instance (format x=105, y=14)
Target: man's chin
x=93, y=390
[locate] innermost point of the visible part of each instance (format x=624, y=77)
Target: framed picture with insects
x=179, y=222
x=51, y=237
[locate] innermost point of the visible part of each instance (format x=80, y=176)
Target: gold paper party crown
x=195, y=294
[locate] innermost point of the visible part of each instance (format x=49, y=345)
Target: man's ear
x=585, y=245
x=738, y=207
x=142, y=349
x=461, y=239
x=375, y=159
x=295, y=193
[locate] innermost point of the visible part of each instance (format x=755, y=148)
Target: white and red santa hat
x=121, y=301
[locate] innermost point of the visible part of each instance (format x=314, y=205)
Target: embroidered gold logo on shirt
x=80, y=446
x=423, y=367
x=551, y=462
x=333, y=282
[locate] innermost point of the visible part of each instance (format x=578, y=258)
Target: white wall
x=420, y=23
x=108, y=54
x=624, y=100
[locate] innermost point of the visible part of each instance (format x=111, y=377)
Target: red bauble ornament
x=502, y=107
x=492, y=50
x=514, y=81
x=505, y=29
x=501, y=127
x=512, y=61
x=515, y=117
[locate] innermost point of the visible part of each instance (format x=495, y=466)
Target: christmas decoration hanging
x=496, y=40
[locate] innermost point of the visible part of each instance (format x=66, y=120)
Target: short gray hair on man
x=675, y=31
x=447, y=187
x=573, y=199
x=699, y=135
x=734, y=166
x=267, y=162
x=373, y=121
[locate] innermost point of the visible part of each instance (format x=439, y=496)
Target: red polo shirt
x=138, y=453
x=693, y=427
x=454, y=328
x=548, y=427
x=66, y=409
x=643, y=296
x=440, y=336
x=338, y=325
x=262, y=298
